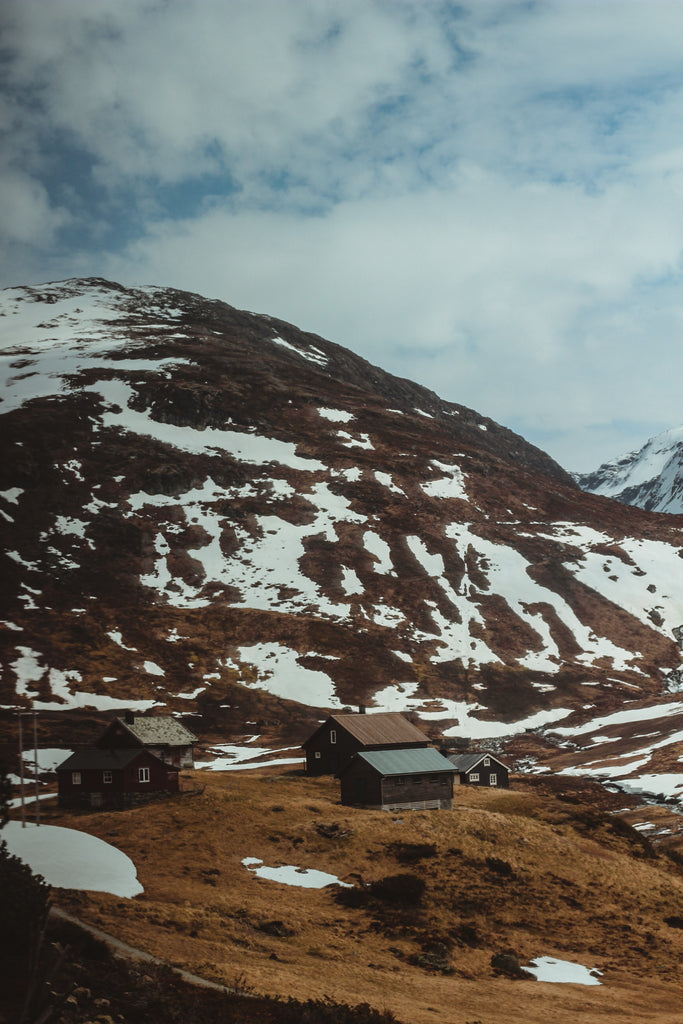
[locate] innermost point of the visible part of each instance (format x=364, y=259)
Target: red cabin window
x=75, y=778
x=143, y=774
x=107, y=777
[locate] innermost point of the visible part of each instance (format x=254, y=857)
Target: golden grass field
x=516, y=869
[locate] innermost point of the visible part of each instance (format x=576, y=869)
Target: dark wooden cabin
x=481, y=769
x=113, y=778
x=341, y=736
x=394, y=780
x=162, y=735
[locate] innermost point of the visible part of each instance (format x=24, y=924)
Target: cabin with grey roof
x=482, y=769
x=162, y=735
x=395, y=780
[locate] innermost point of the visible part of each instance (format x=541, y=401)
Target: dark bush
x=401, y=890
x=411, y=853
x=277, y=928
x=500, y=867
x=354, y=898
x=466, y=933
x=674, y=921
x=507, y=963
x=324, y=1011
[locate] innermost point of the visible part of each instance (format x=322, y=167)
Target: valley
x=526, y=871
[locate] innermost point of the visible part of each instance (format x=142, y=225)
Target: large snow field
x=401, y=697
x=280, y=673
x=68, y=859
x=30, y=668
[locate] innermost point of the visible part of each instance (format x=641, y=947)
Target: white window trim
x=487, y=762
x=317, y=755
x=76, y=779
x=493, y=780
x=474, y=777
x=333, y=735
x=143, y=774
x=107, y=777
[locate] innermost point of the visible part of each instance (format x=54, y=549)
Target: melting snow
x=336, y=415
x=68, y=859
x=452, y=485
x=547, y=968
x=308, y=878
x=313, y=354
x=279, y=672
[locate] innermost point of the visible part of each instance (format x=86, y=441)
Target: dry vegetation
x=515, y=870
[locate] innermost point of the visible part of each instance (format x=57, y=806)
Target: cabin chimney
x=361, y=709
x=129, y=718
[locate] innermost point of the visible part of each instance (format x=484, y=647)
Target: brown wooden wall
x=125, y=782
x=362, y=785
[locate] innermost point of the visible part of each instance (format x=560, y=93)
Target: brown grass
x=510, y=870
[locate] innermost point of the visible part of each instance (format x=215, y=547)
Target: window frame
x=474, y=777
x=76, y=779
x=107, y=777
x=143, y=774
x=333, y=735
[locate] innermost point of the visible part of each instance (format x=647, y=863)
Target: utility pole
x=35, y=765
x=21, y=772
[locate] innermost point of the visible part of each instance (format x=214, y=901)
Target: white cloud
x=483, y=198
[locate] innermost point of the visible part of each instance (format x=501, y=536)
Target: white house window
x=474, y=777
x=75, y=778
x=317, y=755
x=493, y=780
x=143, y=774
x=333, y=735
x=107, y=777
x=487, y=762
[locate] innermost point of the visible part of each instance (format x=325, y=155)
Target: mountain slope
x=651, y=478
x=211, y=510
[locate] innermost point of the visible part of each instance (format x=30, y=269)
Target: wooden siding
x=363, y=786
x=125, y=787
x=325, y=757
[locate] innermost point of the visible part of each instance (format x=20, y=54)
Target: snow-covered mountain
x=212, y=511
x=651, y=478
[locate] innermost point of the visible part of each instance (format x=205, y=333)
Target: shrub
x=410, y=853
x=500, y=867
x=401, y=890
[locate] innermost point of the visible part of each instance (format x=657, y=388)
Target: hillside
x=537, y=874
x=214, y=513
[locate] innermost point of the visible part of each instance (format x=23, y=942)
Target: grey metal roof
x=101, y=760
x=465, y=762
x=160, y=729
x=418, y=761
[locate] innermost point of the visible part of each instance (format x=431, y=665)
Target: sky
x=484, y=197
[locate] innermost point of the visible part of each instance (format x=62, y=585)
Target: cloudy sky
x=486, y=197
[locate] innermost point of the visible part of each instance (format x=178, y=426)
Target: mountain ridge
x=213, y=511
x=650, y=478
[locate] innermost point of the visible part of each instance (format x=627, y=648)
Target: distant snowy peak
x=651, y=479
